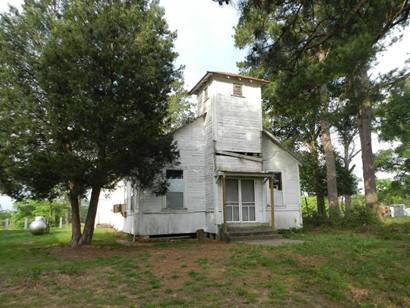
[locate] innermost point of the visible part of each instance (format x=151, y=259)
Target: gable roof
x=188, y=123
x=210, y=74
x=282, y=146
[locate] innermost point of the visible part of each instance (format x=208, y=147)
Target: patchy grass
x=332, y=268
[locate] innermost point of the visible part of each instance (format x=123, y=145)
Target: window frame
x=234, y=92
x=282, y=191
x=240, y=203
x=165, y=206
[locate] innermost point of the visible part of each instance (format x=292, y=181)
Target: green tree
x=318, y=43
x=344, y=121
x=394, y=116
x=297, y=128
x=180, y=108
x=391, y=192
x=313, y=178
x=84, y=99
x=277, y=35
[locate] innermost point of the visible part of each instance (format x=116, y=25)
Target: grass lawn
x=332, y=268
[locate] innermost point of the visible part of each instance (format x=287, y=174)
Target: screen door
x=240, y=200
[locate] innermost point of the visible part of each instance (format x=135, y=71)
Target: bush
x=358, y=216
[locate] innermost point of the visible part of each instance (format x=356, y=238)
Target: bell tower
x=233, y=105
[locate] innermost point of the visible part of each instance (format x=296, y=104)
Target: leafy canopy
x=84, y=95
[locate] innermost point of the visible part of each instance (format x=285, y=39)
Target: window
x=206, y=93
x=277, y=181
x=278, y=192
x=175, y=194
x=237, y=89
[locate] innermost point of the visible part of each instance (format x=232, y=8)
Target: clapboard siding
x=227, y=124
x=156, y=219
x=238, y=124
x=234, y=164
x=276, y=159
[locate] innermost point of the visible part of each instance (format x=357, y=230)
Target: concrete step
x=272, y=236
x=246, y=228
x=249, y=232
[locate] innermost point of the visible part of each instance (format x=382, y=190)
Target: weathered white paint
x=226, y=163
x=230, y=124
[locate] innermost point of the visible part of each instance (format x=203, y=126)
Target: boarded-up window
x=175, y=194
x=237, y=89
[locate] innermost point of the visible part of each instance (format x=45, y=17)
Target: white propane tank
x=38, y=226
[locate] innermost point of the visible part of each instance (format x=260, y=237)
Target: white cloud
x=205, y=36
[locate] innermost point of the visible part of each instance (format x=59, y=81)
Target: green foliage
x=5, y=215
x=394, y=116
x=359, y=216
x=390, y=192
x=84, y=89
x=180, y=108
x=312, y=175
x=29, y=208
x=302, y=46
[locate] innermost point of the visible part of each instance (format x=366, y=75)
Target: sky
x=205, y=43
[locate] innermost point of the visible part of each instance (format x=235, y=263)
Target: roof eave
x=238, y=77
x=283, y=147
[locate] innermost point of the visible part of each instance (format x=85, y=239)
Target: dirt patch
x=359, y=294
x=89, y=252
x=311, y=261
x=176, y=266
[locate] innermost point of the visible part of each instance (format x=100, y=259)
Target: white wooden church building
x=229, y=169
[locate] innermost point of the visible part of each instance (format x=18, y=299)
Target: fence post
x=25, y=223
x=6, y=226
x=61, y=222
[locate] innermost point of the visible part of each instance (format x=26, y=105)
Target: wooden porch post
x=225, y=213
x=272, y=203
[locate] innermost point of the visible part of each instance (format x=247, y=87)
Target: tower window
x=237, y=89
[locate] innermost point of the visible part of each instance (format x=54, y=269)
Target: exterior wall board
x=228, y=123
x=238, y=124
x=156, y=219
x=227, y=163
x=275, y=159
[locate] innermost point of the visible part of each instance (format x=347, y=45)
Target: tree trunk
x=320, y=202
x=90, y=220
x=365, y=133
x=329, y=154
x=347, y=161
x=320, y=198
x=75, y=220
x=348, y=203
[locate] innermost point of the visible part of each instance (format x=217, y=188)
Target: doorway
x=240, y=200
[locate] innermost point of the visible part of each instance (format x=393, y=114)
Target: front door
x=240, y=200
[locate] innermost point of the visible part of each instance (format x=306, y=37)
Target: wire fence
x=5, y=224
